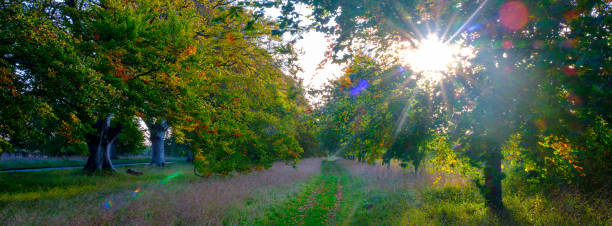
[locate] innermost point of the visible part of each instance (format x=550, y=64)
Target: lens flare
x=136, y=193
x=361, y=86
x=507, y=44
x=513, y=15
x=108, y=204
x=434, y=58
x=168, y=178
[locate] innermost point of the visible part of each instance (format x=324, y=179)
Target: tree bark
x=94, y=161
x=113, y=151
x=157, y=131
x=190, y=156
x=99, y=145
x=493, y=178
x=106, y=156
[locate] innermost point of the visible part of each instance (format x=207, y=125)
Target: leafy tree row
x=207, y=73
x=537, y=93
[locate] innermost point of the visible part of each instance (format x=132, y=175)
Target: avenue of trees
x=77, y=77
x=535, y=100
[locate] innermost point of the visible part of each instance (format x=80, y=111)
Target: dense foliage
x=84, y=74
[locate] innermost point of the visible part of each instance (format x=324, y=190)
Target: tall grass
x=338, y=192
x=409, y=199
x=184, y=199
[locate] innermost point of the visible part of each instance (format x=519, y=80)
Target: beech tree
x=84, y=70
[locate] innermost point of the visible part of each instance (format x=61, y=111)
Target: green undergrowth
x=13, y=164
x=464, y=205
x=449, y=206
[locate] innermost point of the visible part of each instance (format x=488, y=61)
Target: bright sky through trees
x=434, y=57
x=312, y=46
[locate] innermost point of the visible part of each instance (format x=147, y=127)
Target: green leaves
x=198, y=65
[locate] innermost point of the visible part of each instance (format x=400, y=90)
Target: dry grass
x=394, y=178
x=199, y=202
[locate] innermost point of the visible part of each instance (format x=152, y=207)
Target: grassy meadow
x=33, y=163
x=315, y=192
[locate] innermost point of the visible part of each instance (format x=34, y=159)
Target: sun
x=432, y=57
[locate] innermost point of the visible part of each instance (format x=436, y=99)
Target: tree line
x=536, y=98
x=78, y=76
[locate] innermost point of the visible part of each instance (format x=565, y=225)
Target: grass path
x=333, y=198
x=315, y=204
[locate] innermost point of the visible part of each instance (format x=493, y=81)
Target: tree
x=504, y=91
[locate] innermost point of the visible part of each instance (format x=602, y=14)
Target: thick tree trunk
x=113, y=151
x=99, y=145
x=94, y=161
x=493, y=178
x=157, y=131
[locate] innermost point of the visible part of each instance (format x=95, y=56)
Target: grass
x=317, y=192
x=335, y=197
x=69, y=197
x=32, y=163
x=349, y=193
x=70, y=182
x=314, y=205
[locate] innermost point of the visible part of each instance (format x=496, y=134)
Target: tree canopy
x=82, y=72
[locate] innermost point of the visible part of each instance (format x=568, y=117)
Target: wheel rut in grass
x=317, y=204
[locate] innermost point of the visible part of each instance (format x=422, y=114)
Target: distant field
x=316, y=192
x=29, y=163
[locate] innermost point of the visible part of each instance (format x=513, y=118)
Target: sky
x=311, y=52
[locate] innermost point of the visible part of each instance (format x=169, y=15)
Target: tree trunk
x=157, y=131
x=106, y=156
x=190, y=156
x=94, y=161
x=113, y=151
x=493, y=178
x=387, y=162
x=99, y=145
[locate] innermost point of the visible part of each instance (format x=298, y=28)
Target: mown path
x=338, y=197
x=316, y=204
x=321, y=202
